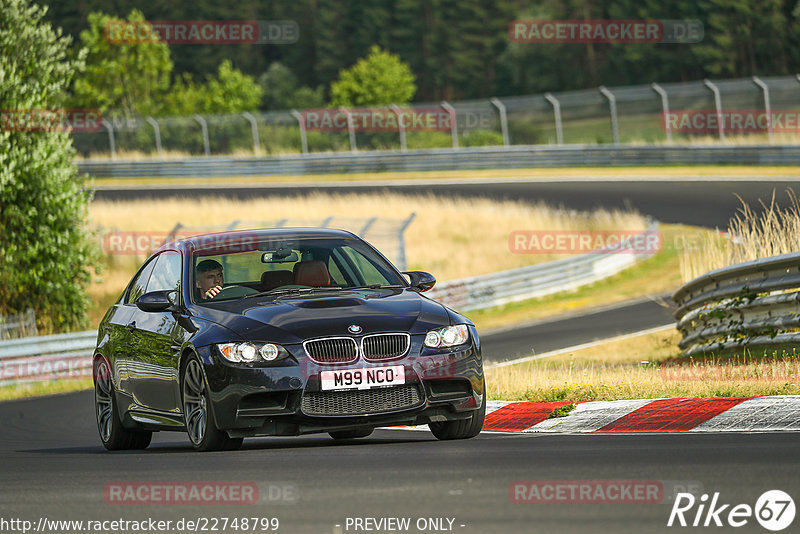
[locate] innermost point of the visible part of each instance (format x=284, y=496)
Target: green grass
x=643, y=367
x=562, y=411
x=37, y=389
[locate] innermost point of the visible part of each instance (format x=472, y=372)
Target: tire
x=351, y=434
x=114, y=436
x=197, y=412
x=463, y=428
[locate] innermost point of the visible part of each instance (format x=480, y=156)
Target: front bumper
x=269, y=400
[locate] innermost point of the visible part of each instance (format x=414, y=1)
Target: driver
x=208, y=279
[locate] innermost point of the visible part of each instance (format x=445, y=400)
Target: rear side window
x=139, y=285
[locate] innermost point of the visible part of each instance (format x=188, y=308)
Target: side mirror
x=420, y=280
x=155, y=301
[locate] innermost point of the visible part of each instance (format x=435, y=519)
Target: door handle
x=131, y=326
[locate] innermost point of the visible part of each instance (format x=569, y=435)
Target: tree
x=282, y=91
x=45, y=250
x=380, y=78
x=229, y=92
x=131, y=77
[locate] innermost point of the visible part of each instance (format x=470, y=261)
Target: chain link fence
x=634, y=114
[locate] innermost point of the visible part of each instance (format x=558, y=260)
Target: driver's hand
x=211, y=293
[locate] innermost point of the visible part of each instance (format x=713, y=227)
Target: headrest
x=273, y=279
x=311, y=273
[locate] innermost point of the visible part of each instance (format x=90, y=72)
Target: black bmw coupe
x=281, y=332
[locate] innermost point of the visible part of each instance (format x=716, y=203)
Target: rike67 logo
x=774, y=510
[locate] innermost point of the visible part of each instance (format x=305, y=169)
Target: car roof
x=193, y=242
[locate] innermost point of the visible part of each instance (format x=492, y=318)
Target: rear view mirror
x=279, y=256
x=420, y=280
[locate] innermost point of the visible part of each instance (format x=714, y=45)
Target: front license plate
x=365, y=378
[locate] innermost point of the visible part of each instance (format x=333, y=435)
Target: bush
x=45, y=251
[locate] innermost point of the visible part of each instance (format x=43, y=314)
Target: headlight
x=251, y=352
x=449, y=336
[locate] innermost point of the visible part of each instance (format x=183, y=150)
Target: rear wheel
x=114, y=436
x=463, y=428
x=198, y=415
x=351, y=434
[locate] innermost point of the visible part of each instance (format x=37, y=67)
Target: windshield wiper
x=292, y=290
x=377, y=286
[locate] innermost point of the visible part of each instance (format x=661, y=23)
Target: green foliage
x=461, y=50
x=229, y=92
x=134, y=78
x=282, y=90
x=381, y=78
x=482, y=138
x=130, y=78
x=45, y=251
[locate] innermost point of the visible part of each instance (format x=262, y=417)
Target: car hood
x=293, y=319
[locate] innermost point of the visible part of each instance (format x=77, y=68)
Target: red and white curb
x=717, y=414
x=713, y=414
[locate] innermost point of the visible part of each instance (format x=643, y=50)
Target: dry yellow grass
x=750, y=235
x=641, y=367
x=450, y=237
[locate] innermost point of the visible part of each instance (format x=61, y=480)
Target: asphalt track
x=710, y=203
x=576, y=329
x=54, y=467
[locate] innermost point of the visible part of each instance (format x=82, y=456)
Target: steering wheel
x=233, y=292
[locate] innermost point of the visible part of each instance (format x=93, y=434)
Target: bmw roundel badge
x=354, y=329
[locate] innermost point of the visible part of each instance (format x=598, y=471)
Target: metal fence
x=19, y=325
x=750, y=305
x=35, y=359
x=448, y=159
x=606, y=115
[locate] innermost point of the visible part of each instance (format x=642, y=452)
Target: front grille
x=332, y=350
x=359, y=402
x=385, y=346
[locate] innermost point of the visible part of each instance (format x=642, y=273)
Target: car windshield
x=250, y=266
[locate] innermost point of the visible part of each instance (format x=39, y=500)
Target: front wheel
x=463, y=428
x=114, y=436
x=197, y=412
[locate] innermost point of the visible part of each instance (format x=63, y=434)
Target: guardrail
x=34, y=359
x=535, y=281
x=446, y=159
x=752, y=304
x=70, y=355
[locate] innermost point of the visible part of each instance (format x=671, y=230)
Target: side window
x=139, y=285
x=337, y=278
x=166, y=274
x=366, y=269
